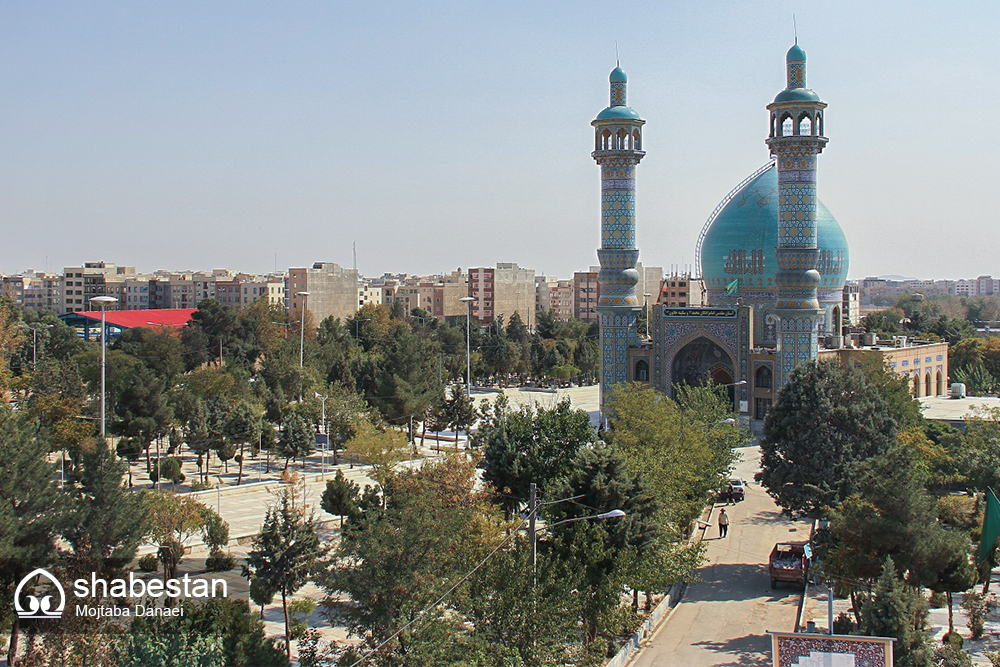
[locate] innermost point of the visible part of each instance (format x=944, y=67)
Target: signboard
x=804, y=649
x=700, y=312
x=321, y=440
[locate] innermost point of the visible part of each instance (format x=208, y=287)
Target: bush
x=952, y=639
x=844, y=625
x=949, y=656
x=149, y=563
x=201, y=486
x=218, y=561
x=937, y=600
x=957, y=511
x=975, y=607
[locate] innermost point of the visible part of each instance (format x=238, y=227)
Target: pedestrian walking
x=723, y=523
x=730, y=495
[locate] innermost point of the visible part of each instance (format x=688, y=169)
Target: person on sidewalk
x=723, y=523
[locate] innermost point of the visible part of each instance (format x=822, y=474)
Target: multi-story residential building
x=243, y=290
x=586, y=292
x=447, y=292
x=682, y=291
x=986, y=285
x=370, y=294
x=42, y=291
x=135, y=293
x=554, y=294
x=82, y=283
x=333, y=291
x=502, y=291
x=851, y=310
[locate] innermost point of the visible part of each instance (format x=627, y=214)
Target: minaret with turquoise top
x=796, y=139
x=617, y=150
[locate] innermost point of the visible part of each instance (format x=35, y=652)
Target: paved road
x=723, y=618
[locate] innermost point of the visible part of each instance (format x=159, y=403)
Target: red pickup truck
x=789, y=562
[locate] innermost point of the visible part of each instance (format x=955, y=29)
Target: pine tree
x=284, y=553
x=895, y=610
x=297, y=439
x=341, y=497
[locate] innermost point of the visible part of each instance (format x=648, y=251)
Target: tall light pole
x=467, y=300
x=326, y=433
x=34, y=342
x=302, y=325
x=647, y=313
x=103, y=302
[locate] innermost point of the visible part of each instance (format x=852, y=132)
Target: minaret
x=617, y=150
x=796, y=139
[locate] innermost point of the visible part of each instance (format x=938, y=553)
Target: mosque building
x=772, y=256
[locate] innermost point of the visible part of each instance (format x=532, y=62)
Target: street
x=722, y=620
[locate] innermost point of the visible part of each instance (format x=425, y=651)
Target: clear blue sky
x=443, y=134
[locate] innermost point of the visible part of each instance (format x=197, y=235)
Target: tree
x=297, y=439
x=809, y=463
x=243, y=426
x=107, y=522
x=459, y=412
x=174, y=519
x=170, y=469
x=160, y=350
x=284, y=553
x=31, y=508
x=684, y=448
x=341, y=497
x=144, y=409
x=603, y=551
x=893, y=610
x=397, y=557
x=380, y=448
x=533, y=444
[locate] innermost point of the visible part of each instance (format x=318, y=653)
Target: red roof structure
x=129, y=319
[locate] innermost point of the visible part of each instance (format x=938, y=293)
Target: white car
x=739, y=488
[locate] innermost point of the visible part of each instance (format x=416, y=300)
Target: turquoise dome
x=612, y=113
x=796, y=95
x=795, y=54
x=618, y=76
x=749, y=222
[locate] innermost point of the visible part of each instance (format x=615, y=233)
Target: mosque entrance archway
x=703, y=361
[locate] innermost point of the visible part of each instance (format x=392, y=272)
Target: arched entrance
x=940, y=383
x=641, y=371
x=702, y=361
x=916, y=385
x=927, y=385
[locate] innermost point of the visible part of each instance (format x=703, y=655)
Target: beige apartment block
x=333, y=291
x=82, y=283
x=556, y=295
x=447, y=292
x=502, y=291
x=369, y=294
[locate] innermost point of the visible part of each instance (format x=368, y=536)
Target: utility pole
x=532, y=512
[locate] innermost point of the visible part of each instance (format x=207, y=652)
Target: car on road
x=739, y=488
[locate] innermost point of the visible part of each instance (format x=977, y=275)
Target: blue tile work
x=618, y=134
x=797, y=256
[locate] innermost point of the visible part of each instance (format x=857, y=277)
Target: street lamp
x=357, y=334
x=326, y=433
x=103, y=302
x=302, y=325
x=467, y=300
x=647, y=313
x=34, y=342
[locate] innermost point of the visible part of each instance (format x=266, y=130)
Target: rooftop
x=955, y=409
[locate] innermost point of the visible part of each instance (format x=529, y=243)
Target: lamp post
x=322, y=474
x=302, y=325
x=103, y=302
x=467, y=300
x=647, y=296
x=357, y=334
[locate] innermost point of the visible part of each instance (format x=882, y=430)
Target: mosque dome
x=740, y=240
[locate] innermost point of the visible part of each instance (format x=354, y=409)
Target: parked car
x=739, y=488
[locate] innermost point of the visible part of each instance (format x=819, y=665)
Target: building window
x=763, y=378
x=905, y=363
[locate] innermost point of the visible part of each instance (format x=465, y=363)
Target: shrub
x=149, y=563
x=957, y=511
x=218, y=561
x=975, y=607
x=937, y=600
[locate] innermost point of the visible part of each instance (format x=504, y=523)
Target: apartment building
x=82, y=283
x=333, y=291
x=680, y=290
x=554, y=294
x=586, y=292
x=502, y=291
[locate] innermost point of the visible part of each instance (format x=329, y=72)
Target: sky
x=436, y=135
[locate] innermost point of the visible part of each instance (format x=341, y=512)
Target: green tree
x=160, y=350
x=31, y=509
x=243, y=426
x=380, y=448
x=284, y=553
x=297, y=439
x=341, y=497
x=894, y=610
x=808, y=464
x=603, y=551
x=144, y=410
x=534, y=444
x=107, y=522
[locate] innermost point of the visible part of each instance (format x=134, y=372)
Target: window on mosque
x=763, y=378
